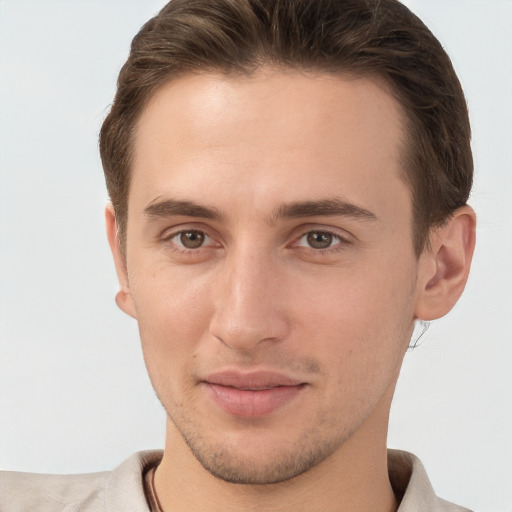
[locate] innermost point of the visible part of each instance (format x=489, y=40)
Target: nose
x=248, y=301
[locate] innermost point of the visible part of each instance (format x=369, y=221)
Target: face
x=270, y=265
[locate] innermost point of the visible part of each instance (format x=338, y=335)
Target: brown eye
x=319, y=239
x=192, y=239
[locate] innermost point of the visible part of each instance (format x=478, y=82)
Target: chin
x=258, y=461
x=278, y=467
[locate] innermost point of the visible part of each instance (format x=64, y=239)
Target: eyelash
x=341, y=244
x=168, y=237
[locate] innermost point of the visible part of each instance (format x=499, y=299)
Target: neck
x=355, y=477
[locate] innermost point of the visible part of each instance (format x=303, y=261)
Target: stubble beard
x=233, y=465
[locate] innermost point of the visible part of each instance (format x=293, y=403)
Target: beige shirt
x=123, y=489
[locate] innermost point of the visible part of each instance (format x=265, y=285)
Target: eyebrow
x=300, y=209
x=326, y=207
x=173, y=207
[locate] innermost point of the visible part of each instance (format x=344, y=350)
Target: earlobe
x=444, y=267
x=124, y=298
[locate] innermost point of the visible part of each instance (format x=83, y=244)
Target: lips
x=251, y=395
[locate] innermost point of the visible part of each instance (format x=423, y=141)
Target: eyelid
x=176, y=239
x=344, y=240
x=333, y=235
x=168, y=234
x=342, y=234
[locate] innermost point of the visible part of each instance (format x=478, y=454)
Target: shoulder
x=409, y=480
x=110, y=491
x=22, y=492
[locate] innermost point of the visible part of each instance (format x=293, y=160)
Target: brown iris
x=319, y=239
x=192, y=239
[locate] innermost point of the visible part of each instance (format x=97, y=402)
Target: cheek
x=364, y=337
x=172, y=316
x=360, y=317
x=172, y=309
x=356, y=296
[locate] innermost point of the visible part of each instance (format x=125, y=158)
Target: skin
x=256, y=295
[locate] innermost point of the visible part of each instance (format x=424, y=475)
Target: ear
x=444, y=266
x=124, y=298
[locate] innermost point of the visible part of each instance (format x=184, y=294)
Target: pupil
x=319, y=240
x=192, y=239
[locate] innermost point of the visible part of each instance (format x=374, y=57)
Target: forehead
x=266, y=132
x=316, y=102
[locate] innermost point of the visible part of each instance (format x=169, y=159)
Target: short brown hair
x=362, y=37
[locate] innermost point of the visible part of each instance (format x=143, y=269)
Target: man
x=289, y=183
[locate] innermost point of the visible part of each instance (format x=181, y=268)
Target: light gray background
x=74, y=392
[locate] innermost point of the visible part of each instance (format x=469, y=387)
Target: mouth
x=252, y=395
